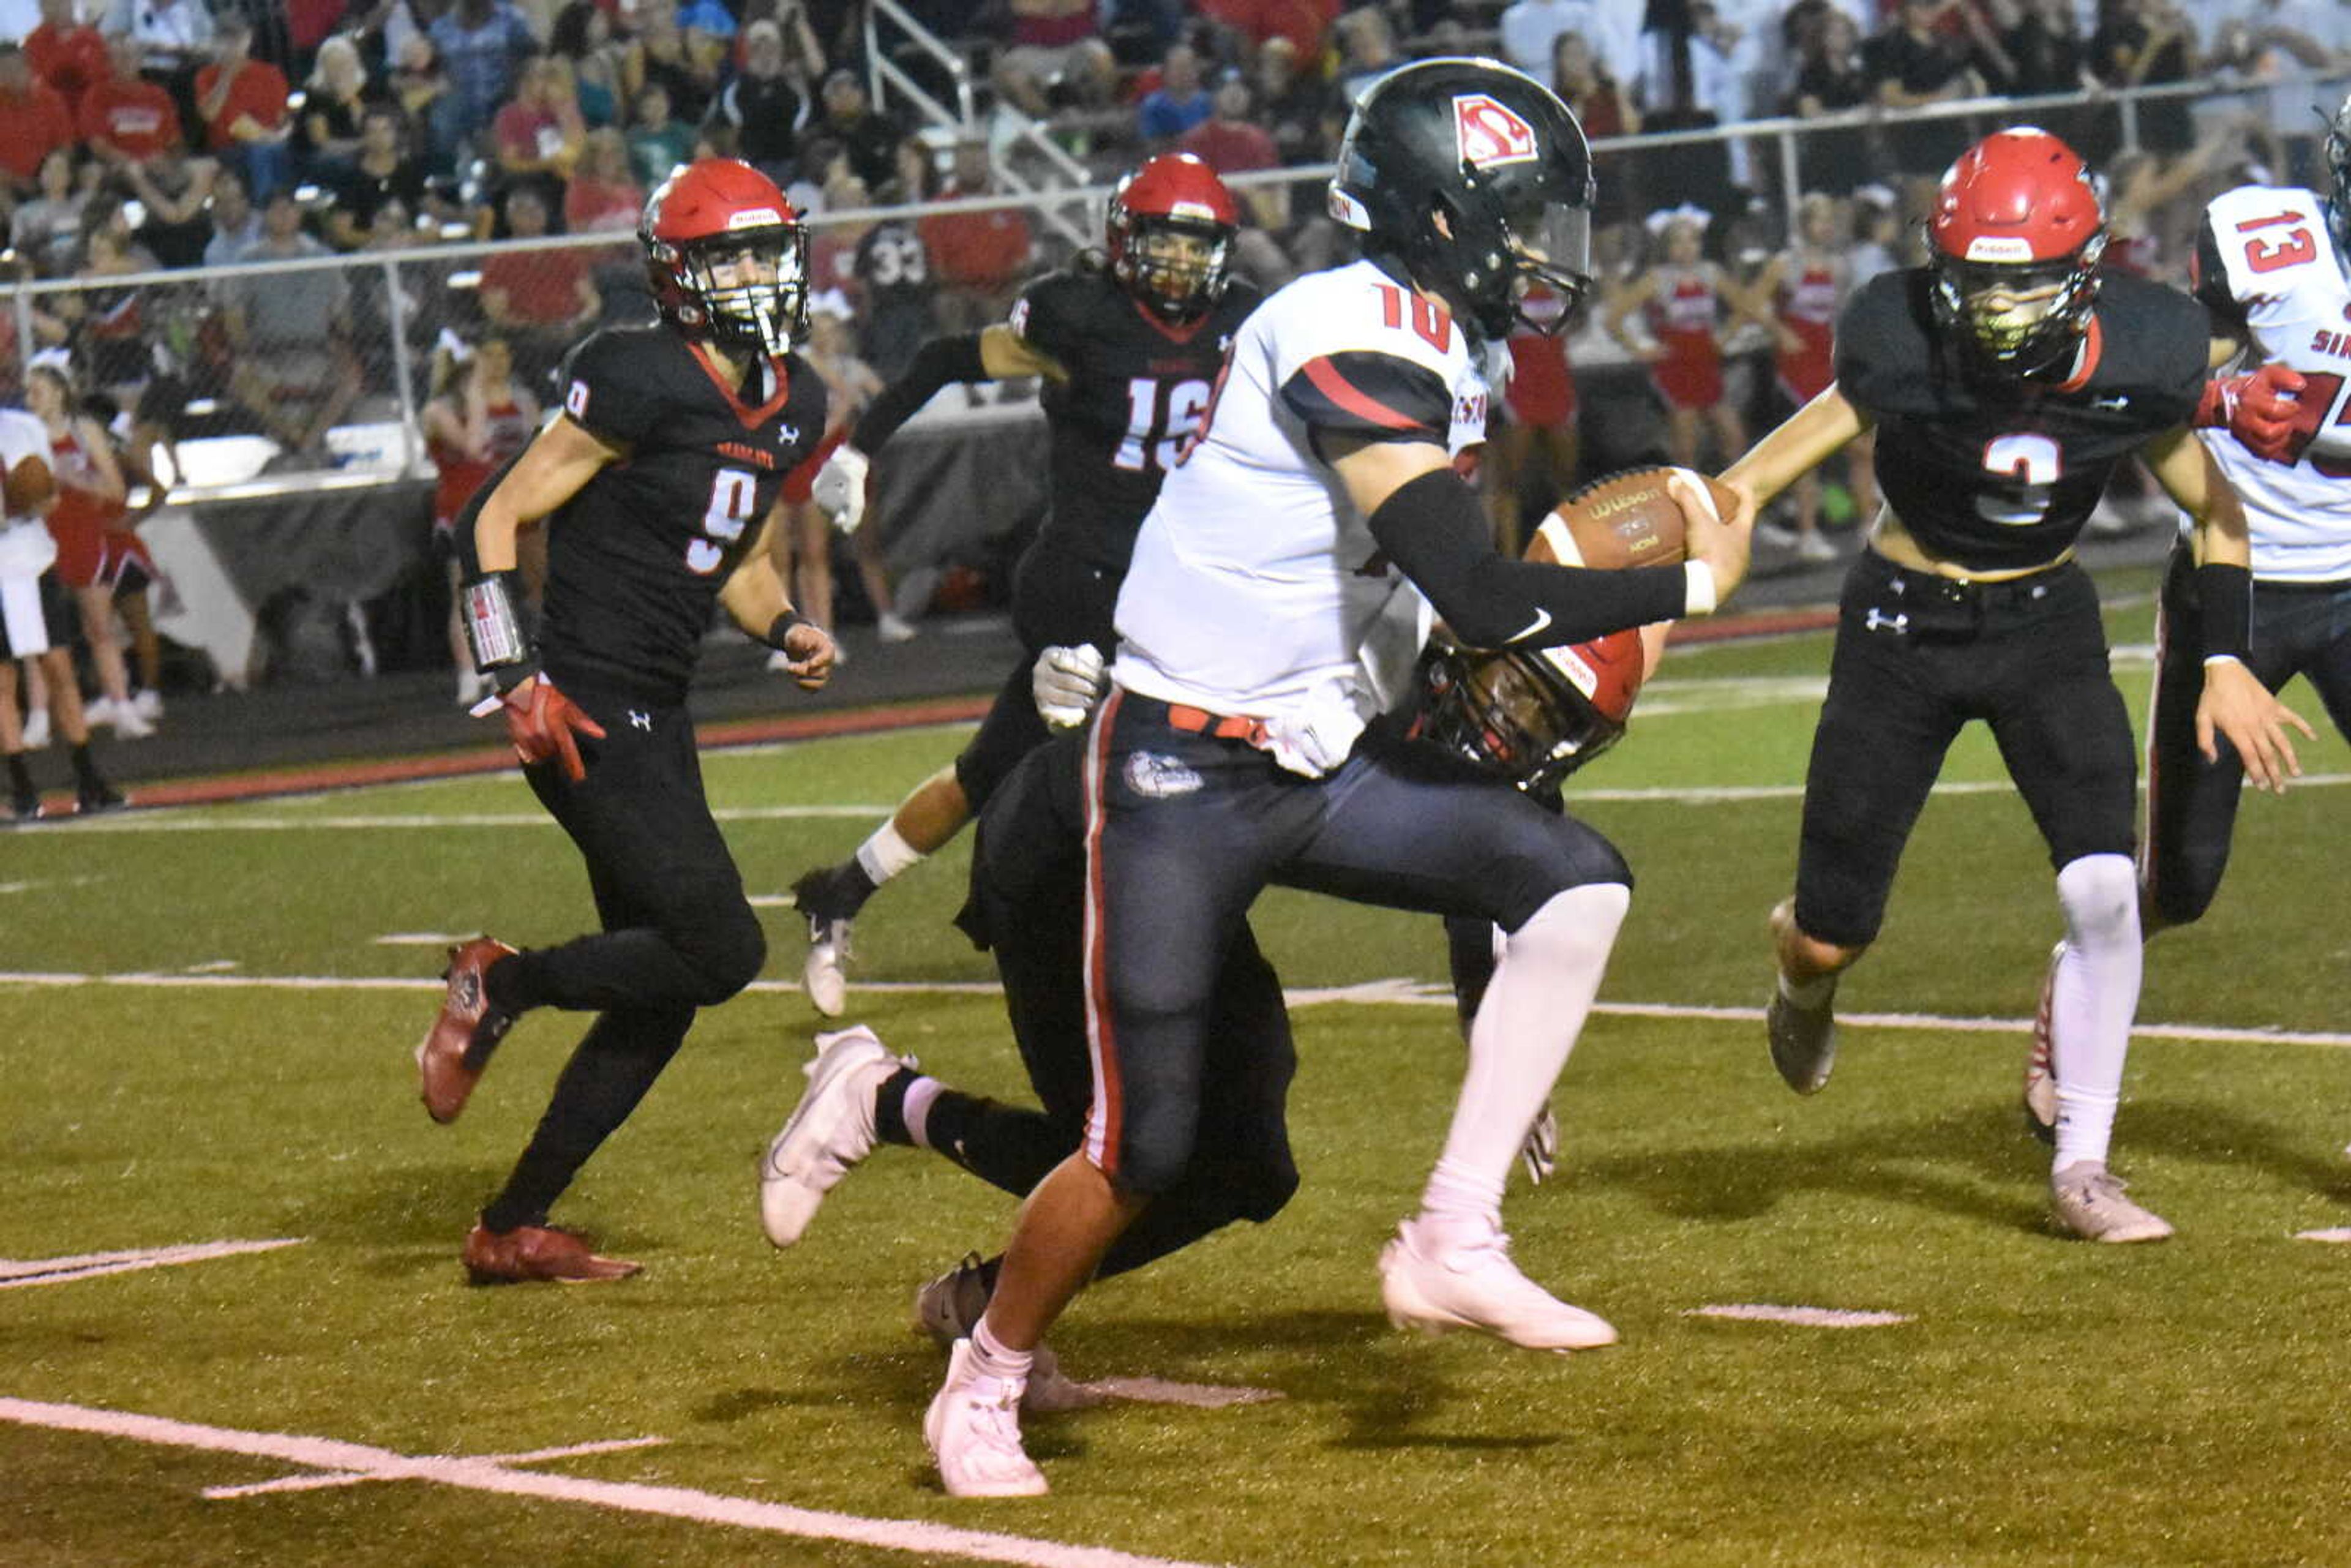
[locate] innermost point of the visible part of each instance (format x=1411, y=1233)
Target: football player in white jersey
x=2274, y=274
x=1233, y=751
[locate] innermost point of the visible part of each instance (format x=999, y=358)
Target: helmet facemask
x=1177, y=266
x=2046, y=313
x=752, y=285
x=1515, y=715
x=1547, y=247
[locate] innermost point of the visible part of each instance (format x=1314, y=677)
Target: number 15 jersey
x=1255, y=579
x=2266, y=265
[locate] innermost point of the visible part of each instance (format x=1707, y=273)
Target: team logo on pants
x=1156, y=777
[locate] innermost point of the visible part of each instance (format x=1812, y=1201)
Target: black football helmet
x=1475, y=179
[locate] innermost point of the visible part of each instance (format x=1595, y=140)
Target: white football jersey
x=27, y=547
x=1256, y=582
x=2280, y=265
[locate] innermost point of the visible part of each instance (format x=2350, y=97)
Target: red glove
x=542, y=723
x=2261, y=410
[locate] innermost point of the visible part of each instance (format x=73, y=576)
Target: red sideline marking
x=1758, y=624
x=459, y=764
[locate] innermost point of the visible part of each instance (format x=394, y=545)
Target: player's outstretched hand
x=1066, y=684
x=2237, y=707
x=840, y=488
x=544, y=724
x=809, y=654
x=1721, y=540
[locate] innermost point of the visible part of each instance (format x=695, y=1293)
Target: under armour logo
x=787, y=434
x=2110, y=402
x=1879, y=620
x=645, y=720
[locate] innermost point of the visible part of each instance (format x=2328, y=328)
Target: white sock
x=2093, y=1001
x=887, y=853
x=1534, y=1007
x=916, y=1110
x=989, y=1357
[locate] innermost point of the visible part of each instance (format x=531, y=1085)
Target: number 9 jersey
x=2267, y=267
x=635, y=560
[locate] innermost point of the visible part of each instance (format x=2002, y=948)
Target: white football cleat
x=949, y=1307
x=825, y=975
x=2040, y=1077
x=973, y=1431
x=1433, y=1281
x=831, y=1130
x=129, y=726
x=2088, y=1201
x=148, y=704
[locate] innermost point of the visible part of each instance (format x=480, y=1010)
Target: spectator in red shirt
x=66, y=53
x=538, y=134
x=603, y=193
x=538, y=301
x=1231, y=141
x=978, y=258
x=33, y=122
x=1304, y=22
x=123, y=116
x=243, y=102
x=1055, y=43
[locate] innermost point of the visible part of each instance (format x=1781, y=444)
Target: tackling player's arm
x=1803, y=440
x=2234, y=705
x=755, y=599
x=2260, y=407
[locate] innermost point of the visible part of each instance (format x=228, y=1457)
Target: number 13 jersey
x=635, y=560
x=2266, y=265
x=1256, y=581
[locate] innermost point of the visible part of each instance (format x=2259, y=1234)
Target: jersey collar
x=2086, y=358
x=748, y=417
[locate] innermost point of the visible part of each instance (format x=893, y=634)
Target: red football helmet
x=2017, y=216
x=727, y=257
x=1170, y=236
x=1532, y=717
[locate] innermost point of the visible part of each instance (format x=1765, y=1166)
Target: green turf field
x=208, y=1040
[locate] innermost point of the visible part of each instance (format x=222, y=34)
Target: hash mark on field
x=89, y=1265
x=320, y=1481
x=2339, y=1233
x=361, y=1461
x=1392, y=992
x=420, y=938
x=1161, y=1391
x=1802, y=1317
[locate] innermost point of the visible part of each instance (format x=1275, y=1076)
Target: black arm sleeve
x=2211, y=281
x=1435, y=530
x=942, y=361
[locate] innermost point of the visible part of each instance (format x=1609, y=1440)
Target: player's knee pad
x=1572, y=926
x=1155, y=1148
x=2099, y=894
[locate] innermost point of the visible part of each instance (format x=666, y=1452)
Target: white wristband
x=2212, y=659
x=1698, y=593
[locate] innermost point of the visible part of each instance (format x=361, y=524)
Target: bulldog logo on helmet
x=1491, y=132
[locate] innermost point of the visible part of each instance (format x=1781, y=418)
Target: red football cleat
x=450, y=1057
x=532, y=1254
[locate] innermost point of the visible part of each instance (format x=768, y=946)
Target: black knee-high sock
x=86, y=772
x=615, y=1063
x=1010, y=1147
x=20, y=776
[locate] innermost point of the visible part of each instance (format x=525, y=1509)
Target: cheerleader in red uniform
x=1684, y=299
x=96, y=555
x=1538, y=423
x=476, y=419
x=1802, y=290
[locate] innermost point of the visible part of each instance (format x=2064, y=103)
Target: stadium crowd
x=167, y=134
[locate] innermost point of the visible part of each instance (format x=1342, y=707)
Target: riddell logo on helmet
x=1491, y=131
x=754, y=218
x=2000, y=248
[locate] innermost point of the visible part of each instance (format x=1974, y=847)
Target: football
x=27, y=487
x=1626, y=520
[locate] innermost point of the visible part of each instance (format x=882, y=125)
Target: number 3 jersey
x=1136, y=391
x=1256, y=581
x=636, y=559
x=2266, y=265
x=1999, y=474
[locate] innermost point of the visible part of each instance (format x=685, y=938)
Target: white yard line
x=1802, y=1317
x=1397, y=992
x=361, y=1461
x=20, y=1271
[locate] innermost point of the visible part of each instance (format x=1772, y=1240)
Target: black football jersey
x=2001, y=474
x=1136, y=391
x=634, y=561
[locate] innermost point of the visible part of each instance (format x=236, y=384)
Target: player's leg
x=1172, y=868
x=95, y=603
x=2191, y=803
x=68, y=723
x=1406, y=829
x=1884, y=728
x=23, y=796
x=2066, y=735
